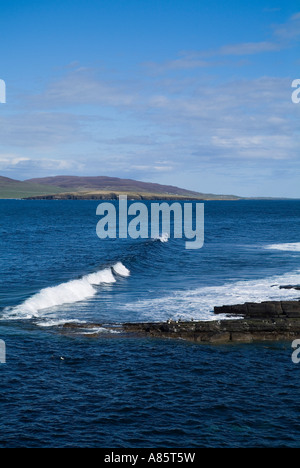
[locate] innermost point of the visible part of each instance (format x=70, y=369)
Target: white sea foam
x=291, y=247
x=121, y=270
x=66, y=293
x=162, y=238
x=57, y=322
x=199, y=303
x=99, y=330
x=103, y=276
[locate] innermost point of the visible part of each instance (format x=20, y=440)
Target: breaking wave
x=66, y=293
x=162, y=238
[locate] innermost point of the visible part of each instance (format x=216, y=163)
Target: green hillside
x=70, y=187
x=10, y=188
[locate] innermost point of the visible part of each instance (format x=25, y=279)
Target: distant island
x=97, y=188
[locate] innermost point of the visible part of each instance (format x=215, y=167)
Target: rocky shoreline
x=246, y=323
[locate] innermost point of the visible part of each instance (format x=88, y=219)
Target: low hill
x=113, y=195
x=99, y=185
x=10, y=188
x=71, y=187
x=79, y=184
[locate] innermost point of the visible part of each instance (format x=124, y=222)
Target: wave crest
x=121, y=270
x=162, y=238
x=66, y=293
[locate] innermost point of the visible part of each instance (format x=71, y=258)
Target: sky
x=190, y=93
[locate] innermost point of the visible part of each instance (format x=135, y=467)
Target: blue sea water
x=113, y=391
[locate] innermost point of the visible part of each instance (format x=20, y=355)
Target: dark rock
x=237, y=337
x=76, y=326
x=266, y=321
x=263, y=310
x=232, y=310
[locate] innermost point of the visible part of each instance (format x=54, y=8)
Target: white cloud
x=184, y=63
x=81, y=87
x=152, y=168
x=158, y=127
x=290, y=30
x=42, y=130
x=249, y=48
x=12, y=162
x=8, y=161
x=185, y=125
x=282, y=36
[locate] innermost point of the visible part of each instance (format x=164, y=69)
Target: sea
x=102, y=388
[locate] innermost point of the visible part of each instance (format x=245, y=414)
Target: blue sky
x=184, y=92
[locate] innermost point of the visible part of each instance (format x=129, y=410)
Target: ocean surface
x=113, y=391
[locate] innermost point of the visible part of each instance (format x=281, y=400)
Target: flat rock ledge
x=266, y=321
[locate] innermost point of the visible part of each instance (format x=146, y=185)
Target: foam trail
x=291, y=247
x=66, y=293
x=199, y=303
